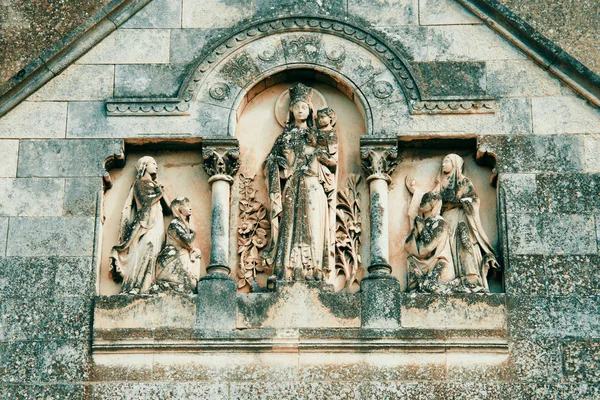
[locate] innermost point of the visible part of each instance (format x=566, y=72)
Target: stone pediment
x=546, y=53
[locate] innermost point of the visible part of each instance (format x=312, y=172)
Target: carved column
x=379, y=158
x=221, y=163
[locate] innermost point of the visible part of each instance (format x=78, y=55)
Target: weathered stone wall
x=545, y=138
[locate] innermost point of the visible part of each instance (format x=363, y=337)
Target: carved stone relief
x=301, y=171
x=447, y=239
x=348, y=260
x=142, y=260
x=446, y=236
x=253, y=231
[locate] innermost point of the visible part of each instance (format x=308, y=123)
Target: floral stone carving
x=252, y=234
x=348, y=230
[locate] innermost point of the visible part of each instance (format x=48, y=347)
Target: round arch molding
x=370, y=73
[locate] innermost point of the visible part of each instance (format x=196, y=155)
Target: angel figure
x=178, y=265
x=141, y=231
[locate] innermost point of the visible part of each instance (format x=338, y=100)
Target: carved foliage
x=221, y=160
x=379, y=162
x=348, y=230
x=252, y=233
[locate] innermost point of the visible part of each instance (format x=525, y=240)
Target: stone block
x=215, y=13
x=528, y=153
x=216, y=303
x=445, y=12
x=555, y=317
x=564, y=114
x=520, y=191
x=393, y=366
x=123, y=367
x=517, y=78
x=89, y=120
x=46, y=318
x=398, y=390
x=64, y=361
x=572, y=275
x=131, y=46
x=45, y=277
x=285, y=8
x=144, y=312
x=161, y=390
x=81, y=195
x=9, y=150
x=79, y=83
x=592, y=149
x=3, y=236
x=428, y=311
x=50, y=237
x=535, y=360
x=149, y=80
x=491, y=367
x=452, y=43
x=380, y=302
x=385, y=13
x=24, y=319
x=525, y=234
x=526, y=275
x=569, y=193
x=468, y=391
x=188, y=45
x=35, y=120
x=569, y=234
x=157, y=14
x=582, y=360
x=298, y=305
x=447, y=79
x=66, y=158
x=244, y=367
x=512, y=118
x=31, y=197
x=27, y=277
x=528, y=316
x=47, y=391
x=19, y=362
x=73, y=277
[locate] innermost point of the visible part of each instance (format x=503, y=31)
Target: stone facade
x=177, y=77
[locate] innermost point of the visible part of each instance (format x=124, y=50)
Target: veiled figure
x=472, y=252
x=301, y=232
x=142, y=232
x=430, y=266
x=178, y=265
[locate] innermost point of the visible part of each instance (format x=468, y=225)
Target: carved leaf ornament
x=253, y=231
x=348, y=231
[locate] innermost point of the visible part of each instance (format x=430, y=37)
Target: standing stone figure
x=141, y=231
x=430, y=267
x=178, y=265
x=299, y=210
x=472, y=252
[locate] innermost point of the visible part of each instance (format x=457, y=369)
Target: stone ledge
x=428, y=323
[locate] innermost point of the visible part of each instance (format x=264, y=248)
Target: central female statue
x=301, y=235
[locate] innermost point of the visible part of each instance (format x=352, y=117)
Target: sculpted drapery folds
x=142, y=233
x=300, y=172
x=178, y=264
x=471, y=250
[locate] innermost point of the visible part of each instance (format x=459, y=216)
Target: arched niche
x=257, y=128
x=375, y=75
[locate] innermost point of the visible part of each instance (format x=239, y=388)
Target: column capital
x=379, y=156
x=221, y=158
